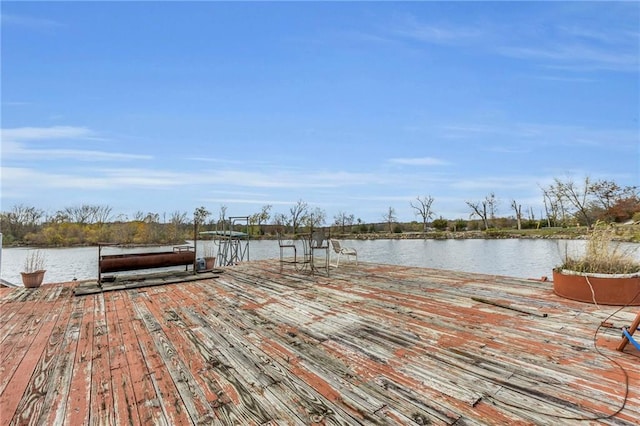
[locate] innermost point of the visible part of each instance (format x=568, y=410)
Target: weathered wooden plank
x=167, y=395
x=162, y=393
x=45, y=347
x=55, y=405
x=11, y=313
x=318, y=375
x=179, y=356
x=373, y=344
x=241, y=402
x=101, y=407
x=79, y=399
x=23, y=317
x=125, y=410
x=475, y=398
x=195, y=320
x=145, y=400
x=514, y=336
x=264, y=395
x=275, y=368
x=22, y=358
x=258, y=374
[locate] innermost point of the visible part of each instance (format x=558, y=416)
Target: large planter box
x=619, y=290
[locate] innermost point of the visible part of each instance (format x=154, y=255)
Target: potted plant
x=604, y=274
x=33, y=273
x=209, y=256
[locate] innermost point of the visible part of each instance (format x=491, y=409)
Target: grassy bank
x=625, y=233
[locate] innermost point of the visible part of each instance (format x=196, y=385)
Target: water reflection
x=514, y=257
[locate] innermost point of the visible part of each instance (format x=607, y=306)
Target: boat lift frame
x=232, y=245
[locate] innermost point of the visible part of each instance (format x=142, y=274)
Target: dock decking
x=371, y=344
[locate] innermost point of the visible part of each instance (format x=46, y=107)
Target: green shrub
x=530, y=224
x=440, y=224
x=460, y=225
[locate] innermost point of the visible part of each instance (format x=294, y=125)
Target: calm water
x=518, y=258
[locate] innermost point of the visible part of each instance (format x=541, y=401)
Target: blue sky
x=349, y=106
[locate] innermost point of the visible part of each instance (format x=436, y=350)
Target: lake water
x=522, y=258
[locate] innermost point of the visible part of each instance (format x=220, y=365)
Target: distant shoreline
x=624, y=233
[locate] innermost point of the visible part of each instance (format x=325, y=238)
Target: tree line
x=566, y=203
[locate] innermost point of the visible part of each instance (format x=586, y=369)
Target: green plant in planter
x=602, y=256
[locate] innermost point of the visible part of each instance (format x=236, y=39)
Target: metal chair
x=319, y=242
x=339, y=250
x=284, y=245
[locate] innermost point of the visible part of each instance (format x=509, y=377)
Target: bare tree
x=553, y=206
x=102, y=214
x=518, y=210
x=484, y=209
x=179, y=218
x=390, y=218
x=298, y=214
x=261, y=217
x=492, y=205
x=423, y=208
x=79, y=214
x=86, y=213
x=585, y=201
x=59, y=217
x=479, y=209
x=20, y=220
x=152, y=218
x=315, y=218
x=25, y=215
x=199, y=216
x=343, y=220
x=607, y=194
x=576, y=196
x=223, y=214
x=281, y=220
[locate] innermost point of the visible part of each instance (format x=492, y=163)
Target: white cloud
x=490, y=183
x=419, y=161
x=30, y=181
x=388, y=198
x=44, y=133
x=412, y=28
x=123, y=178
x=571, y=48
x=247, y=201
x=546, y=134
x=18, y=142
x=76, y=154
x=571, y=56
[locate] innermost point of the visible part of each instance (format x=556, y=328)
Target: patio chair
x=339, y=250
x=285, y=245
x=319, y=242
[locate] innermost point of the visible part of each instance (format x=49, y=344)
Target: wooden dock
x=370, y=344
